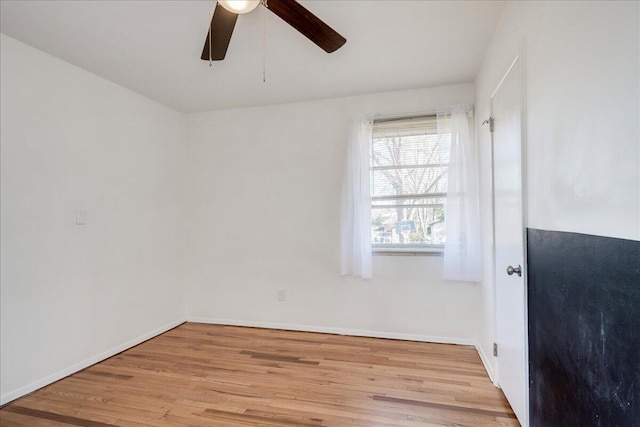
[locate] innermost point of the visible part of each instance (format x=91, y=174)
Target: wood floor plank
x=455, y=408
x=52, y=416
x=11, y=419
x=212, y=375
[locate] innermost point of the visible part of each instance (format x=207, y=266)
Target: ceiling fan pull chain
x=210, y=18
x=264, y=44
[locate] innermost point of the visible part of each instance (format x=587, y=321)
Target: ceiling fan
x=227, y=11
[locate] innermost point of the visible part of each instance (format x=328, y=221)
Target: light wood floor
x=208, y=375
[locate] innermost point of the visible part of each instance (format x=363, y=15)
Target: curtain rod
x=421, y=115
x=403, y=117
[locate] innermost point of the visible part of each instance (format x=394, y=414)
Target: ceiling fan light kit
x=293, y=13
x=239, y=6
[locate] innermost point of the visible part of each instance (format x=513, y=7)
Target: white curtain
x=462, y=248
x=355, y=219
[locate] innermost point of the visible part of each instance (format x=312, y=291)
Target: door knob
x=517, y=270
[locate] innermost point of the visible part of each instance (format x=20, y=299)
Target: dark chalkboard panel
x=584, y=330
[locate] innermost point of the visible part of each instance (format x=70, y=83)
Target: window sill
x=408, y=251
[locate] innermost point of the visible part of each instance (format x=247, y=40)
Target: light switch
x=81, y=217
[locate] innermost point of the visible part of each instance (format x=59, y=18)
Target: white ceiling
x=153, y=47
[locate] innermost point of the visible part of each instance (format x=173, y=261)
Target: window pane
x=414, y=164
x=410, y=150
x=405, y=181
x=409, y=221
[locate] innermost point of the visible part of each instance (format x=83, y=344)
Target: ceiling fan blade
x=307, y=23
x=220, y=31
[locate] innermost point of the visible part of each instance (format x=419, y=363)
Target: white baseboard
x=336, y=331
x=487, y=364
x=12, y=395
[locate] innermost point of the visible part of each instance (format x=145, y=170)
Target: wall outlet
x=282, y=295
x=81, y=217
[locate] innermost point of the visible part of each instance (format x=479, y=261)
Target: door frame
x=518, y=58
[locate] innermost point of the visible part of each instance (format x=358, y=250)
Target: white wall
x=71, y=294
x=266, y=185
x=582, y=89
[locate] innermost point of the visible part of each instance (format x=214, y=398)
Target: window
x=409, y=166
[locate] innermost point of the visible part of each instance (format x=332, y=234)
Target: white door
x=511, y=323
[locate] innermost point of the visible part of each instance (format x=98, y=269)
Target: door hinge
x=495, y=349
x=490, y=121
